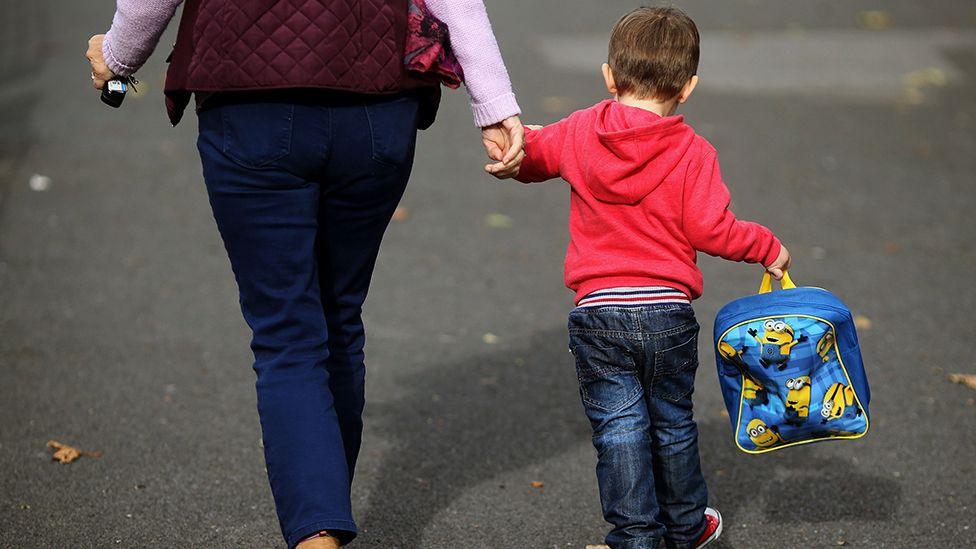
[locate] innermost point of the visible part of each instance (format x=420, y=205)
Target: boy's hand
x=782, y=263
x=533, y=127
x=503, y=143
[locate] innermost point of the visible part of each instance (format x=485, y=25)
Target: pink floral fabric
x=428, y=51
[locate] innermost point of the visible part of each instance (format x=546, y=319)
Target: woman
x=307, y=125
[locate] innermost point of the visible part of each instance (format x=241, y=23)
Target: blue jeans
x=302, y=187
x=636, y=368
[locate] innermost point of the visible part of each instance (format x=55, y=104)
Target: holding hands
x=503, y=142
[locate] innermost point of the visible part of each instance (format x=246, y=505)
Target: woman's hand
x=503, y=143
x=100, y=71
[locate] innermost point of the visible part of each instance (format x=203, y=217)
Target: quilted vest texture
x=349, y=45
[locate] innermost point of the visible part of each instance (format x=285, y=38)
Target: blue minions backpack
x=790, y=368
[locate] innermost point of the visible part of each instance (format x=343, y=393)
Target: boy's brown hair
x=654, y=52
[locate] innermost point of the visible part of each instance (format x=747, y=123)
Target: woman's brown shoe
x=320, y=540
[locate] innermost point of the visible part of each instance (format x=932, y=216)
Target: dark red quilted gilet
x=222, y=45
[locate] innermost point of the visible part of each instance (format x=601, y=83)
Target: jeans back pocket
x=393, y=129
x=257, y=134
x=675, y=365
x=608, y=376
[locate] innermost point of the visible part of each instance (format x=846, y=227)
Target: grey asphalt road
x=120, y=330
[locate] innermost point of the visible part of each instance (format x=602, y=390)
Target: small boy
x=646, y=197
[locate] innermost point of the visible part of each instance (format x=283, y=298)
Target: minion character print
x=797, y=400
x=752, y=390
x=836, y=401
x=776, y=343
x=825, y=344
x=762, y=435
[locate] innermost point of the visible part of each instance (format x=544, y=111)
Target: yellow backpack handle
x=767, y=283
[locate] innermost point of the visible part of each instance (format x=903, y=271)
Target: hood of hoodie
x=639, y=150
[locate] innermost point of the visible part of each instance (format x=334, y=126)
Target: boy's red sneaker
x=713, y=527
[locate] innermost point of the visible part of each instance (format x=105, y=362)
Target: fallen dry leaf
x=969, y=380
x=66, y=454
x=401, y=213
x=862, y=322
x=929, y=76
x=499, y=221
x=892, y=248
x=874, y=19
x=537, y=484
x=923, y=149
x=489, y=338
x=912, y=96
x=597, y=547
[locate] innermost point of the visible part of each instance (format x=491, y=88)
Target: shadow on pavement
x=796, y=486
x=460, y=424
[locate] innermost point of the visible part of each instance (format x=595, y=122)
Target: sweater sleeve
x=712, y=228
x=135, y=31
x=473, y=42
x=543, y=152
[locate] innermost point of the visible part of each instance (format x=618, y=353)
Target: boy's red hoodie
x=646, y=196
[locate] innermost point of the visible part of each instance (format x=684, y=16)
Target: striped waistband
x=633, y=296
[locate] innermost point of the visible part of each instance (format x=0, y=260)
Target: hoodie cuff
x=113, y=63
x=496, y=110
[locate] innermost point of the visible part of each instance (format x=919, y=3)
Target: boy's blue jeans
x=636, y=368
x=303, y=186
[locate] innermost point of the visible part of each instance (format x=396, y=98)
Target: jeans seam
x=673, y=331
x=331, y=137
x=624, y=404
x=314, y=522
x=641, y=337
x=606, y=333
x=372, y=134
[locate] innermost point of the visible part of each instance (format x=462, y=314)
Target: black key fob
x=114, y=92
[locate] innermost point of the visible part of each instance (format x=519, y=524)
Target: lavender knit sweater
x=138, y=24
